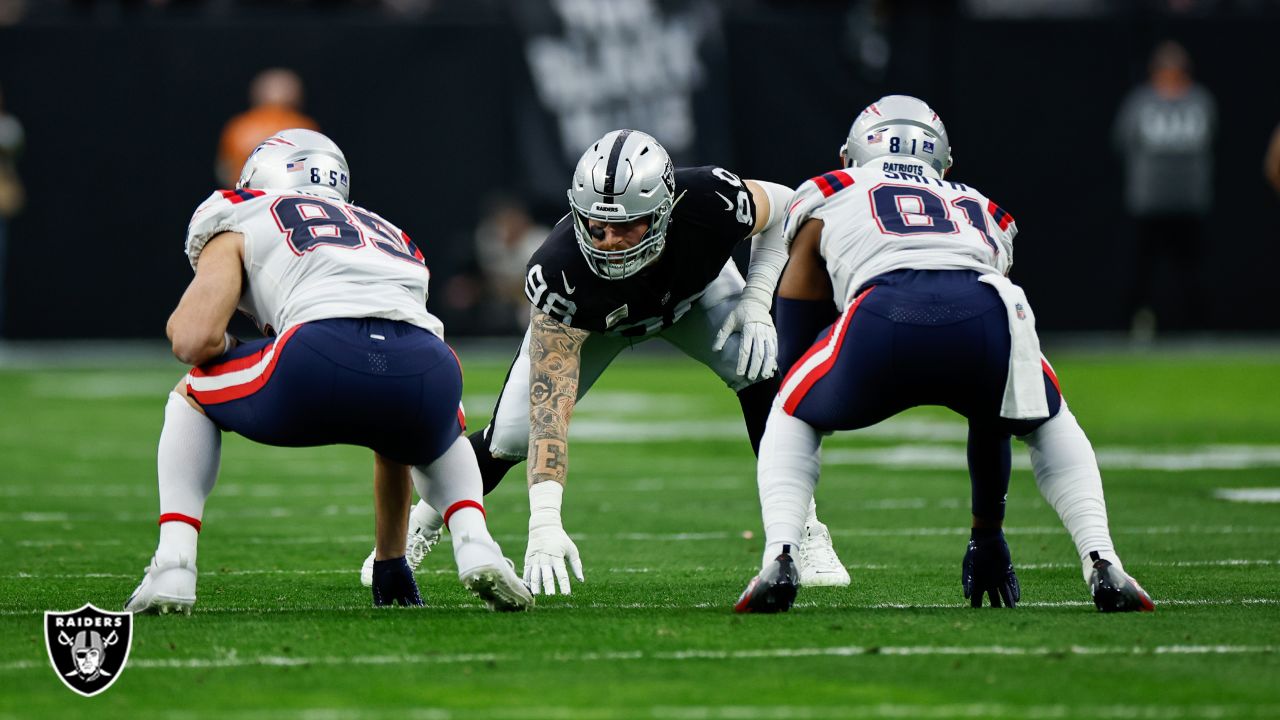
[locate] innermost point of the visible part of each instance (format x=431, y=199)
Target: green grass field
x=663, y=506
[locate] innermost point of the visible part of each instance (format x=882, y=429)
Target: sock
x=756, y=401
x=492, y=469
x=787, y=474
x=187, y=466
x=452, y=482
x=423, y=515
x=1067, y=475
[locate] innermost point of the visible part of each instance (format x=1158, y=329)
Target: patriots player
x=644, y=252
x=900, y=275
x=351, y=356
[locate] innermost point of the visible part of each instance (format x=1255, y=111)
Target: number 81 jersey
x=881, y=217
x=308, y=258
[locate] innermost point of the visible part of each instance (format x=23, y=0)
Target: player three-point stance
x=644, y=252
x=352, y=356
x=901, y=277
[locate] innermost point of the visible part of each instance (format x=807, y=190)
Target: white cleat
x=168, y=586
x=490, y=576
x=819, y=564
x=418, y=544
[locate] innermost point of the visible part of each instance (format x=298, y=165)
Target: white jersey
x=310, y=258
x=884, y=217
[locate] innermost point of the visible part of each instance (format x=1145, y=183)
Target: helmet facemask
x=619, y=264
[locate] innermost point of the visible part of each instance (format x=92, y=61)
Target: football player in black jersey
x=644, y=252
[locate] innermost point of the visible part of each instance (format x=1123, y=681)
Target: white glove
x=549, y=544
x=758, y=354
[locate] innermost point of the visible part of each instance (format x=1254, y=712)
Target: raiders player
x=644, y=252
x=352, y=356
x=900, y=275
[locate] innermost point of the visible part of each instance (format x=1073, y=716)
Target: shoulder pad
x=810, y=196
x=1003, y=219
x=215, y=215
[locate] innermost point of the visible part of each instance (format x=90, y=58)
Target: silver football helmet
x=898, y=125
x=624, y=176
x=298, y=159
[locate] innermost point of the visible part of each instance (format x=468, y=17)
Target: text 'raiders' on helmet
x=625, y=175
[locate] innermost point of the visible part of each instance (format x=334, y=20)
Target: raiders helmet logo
x=88, y=647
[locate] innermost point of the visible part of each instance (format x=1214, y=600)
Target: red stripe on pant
x=460, y=505
x=797, y=396
x=179, y=517
x=245, y=389
x=1052, y=376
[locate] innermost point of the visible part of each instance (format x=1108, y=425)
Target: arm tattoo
x=554, y=361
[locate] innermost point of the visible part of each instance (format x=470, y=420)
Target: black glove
x=988, y=570
x=393, y=583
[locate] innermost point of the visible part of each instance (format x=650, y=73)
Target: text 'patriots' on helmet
x=901, y=126
x=623, y=177
x=298, y=159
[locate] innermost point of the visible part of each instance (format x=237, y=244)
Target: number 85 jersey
x=877, y=219
x=308, y=258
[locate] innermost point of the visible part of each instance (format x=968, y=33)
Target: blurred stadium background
x=461, y=119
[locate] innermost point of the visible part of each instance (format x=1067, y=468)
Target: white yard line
x=233, y=658
x=561, y=604
x=1208, y=457
x=629, y=570
x=1249, y=495
x=669, y=537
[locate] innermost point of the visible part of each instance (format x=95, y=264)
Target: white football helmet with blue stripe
x=298, y=159
x=899, y=126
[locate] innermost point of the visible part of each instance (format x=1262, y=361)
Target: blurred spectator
x=275, y=97
x=492, y=292
x=12, y=195
x=1165, y=131
x=1271, y=163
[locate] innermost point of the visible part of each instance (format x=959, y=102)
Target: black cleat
x=393, y=583
x=1114, y=591
x=774, y=589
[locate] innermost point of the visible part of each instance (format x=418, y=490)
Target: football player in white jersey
x=900, y=275
x=351, y=356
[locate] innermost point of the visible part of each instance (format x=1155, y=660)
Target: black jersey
x=714, y=212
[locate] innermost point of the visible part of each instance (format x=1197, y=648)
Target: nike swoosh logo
x=567, y=287
x=727, y=205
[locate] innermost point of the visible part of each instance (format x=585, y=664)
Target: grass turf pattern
x=662, y=503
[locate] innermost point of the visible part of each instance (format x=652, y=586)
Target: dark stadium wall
x=123, y=120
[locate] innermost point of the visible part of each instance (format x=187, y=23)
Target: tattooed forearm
x=554, y=361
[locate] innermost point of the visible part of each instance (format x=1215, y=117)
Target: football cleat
x=418, y=544
x=774, y=589
x=490, y=576
x=168, y=586
x=1114, y=591
x=988, y=570
x=393, y=584
x=819, y=564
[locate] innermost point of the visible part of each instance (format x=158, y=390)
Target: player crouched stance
x=352, y=356
x=916, y=267
x=645, y=251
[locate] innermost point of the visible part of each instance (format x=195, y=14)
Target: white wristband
x=545, y=499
